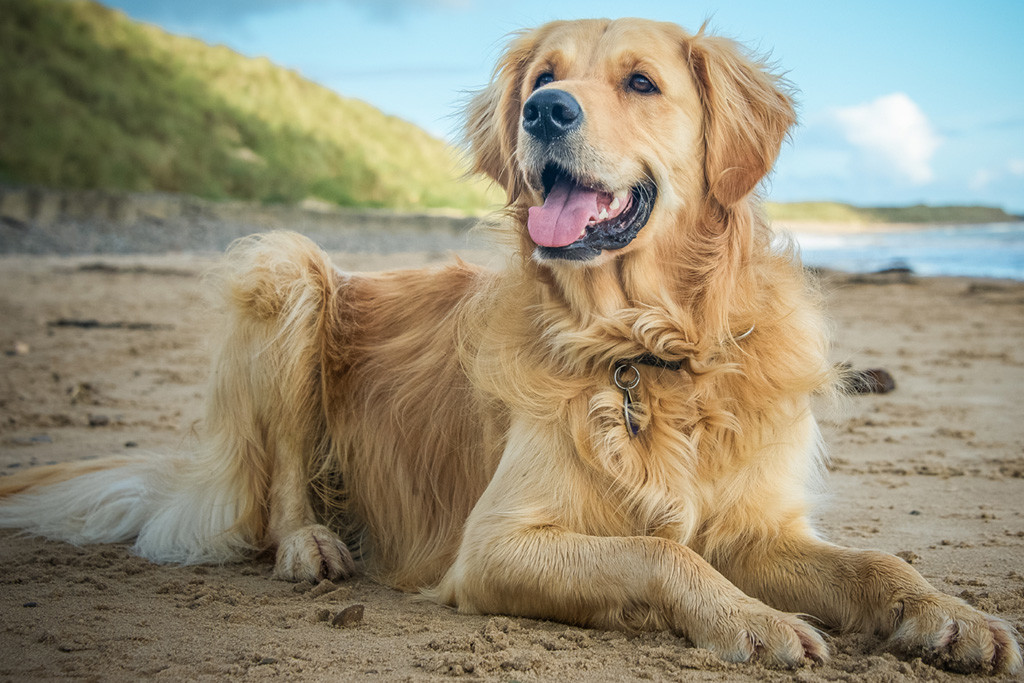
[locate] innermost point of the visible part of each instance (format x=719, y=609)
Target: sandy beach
x=933, y=472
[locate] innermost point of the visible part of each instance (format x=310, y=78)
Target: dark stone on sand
x=350, y=616
x=98, y=420
x=872, y=381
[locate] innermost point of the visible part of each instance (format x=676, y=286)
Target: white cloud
x=894, y=134
x=985, y=177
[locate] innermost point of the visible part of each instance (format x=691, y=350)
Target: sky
x=901, y=101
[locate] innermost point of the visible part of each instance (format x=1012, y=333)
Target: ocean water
x=994, y=250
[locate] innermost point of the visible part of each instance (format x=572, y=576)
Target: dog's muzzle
x=580, y=216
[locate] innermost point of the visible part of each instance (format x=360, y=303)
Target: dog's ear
x=747, y=110
x=492, y=117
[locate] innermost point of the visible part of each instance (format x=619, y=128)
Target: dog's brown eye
x=544, y=79
x=641, y=84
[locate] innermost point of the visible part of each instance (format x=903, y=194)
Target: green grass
x=833, y=212
x=91, y=99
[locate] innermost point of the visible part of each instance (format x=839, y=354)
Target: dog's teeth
x=603, y=216
x=616, y=203
x=621, y=195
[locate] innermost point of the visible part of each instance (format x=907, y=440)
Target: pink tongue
x=566, y=212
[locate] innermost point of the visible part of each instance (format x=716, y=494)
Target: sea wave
x=994, y=250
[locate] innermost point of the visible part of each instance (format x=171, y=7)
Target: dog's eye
x=641, y=84
x=544, y=79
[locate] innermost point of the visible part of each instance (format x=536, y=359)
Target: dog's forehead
x=625, y=43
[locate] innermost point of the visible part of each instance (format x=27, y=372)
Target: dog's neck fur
x=676, y=300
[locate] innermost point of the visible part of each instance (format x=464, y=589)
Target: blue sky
x=900, y=101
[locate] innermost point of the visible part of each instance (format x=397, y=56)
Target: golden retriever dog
x=614, y=430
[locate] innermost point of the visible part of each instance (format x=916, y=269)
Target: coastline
x=988, y=250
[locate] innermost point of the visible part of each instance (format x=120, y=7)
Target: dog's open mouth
x=577, y=222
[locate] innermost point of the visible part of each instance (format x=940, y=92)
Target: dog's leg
x=268, y=393
x=788, y=567
x=306, y=550
x=519, y=556
x=872, y=591
x=626, y=582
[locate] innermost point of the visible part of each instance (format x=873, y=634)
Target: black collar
x=655, y=362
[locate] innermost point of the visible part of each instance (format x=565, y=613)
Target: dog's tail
x=264, y=399
x=174, y=515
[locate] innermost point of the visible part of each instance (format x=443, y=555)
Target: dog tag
x=625, y=382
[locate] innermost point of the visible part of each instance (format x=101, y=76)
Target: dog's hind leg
x=268, y=396
x=306, y=550
x=247, y=488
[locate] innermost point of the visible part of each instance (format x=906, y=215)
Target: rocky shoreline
x=37, y=220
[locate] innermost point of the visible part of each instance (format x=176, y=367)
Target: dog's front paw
x=950, y=633
x=313, y=553
x=766, y=635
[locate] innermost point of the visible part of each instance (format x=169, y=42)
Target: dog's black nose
x=550, y=114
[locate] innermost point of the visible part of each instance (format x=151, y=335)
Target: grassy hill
x=833, y=212
x=92, y=99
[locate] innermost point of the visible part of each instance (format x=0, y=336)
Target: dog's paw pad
x=313, y=553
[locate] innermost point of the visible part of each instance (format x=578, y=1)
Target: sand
x=932, y=471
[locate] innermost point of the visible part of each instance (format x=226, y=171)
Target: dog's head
x=609, y=129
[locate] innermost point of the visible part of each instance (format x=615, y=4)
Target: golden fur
x=459, y=428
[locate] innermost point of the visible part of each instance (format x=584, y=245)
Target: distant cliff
x=834, y=212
